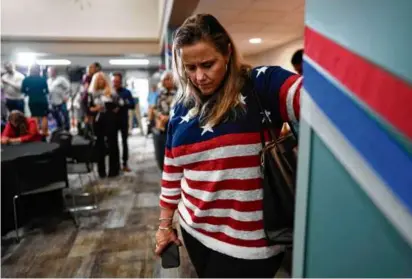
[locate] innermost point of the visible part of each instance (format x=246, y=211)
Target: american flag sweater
x=212, y=174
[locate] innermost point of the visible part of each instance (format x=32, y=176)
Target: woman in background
x=20, y=129
x=35, y=86
x=161, y=115
x=104, y=104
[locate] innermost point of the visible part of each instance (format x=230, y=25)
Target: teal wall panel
x=346, y=235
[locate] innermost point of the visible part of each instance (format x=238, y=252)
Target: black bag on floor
x=278, y=165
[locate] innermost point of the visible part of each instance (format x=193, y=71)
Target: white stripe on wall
x=359, y=169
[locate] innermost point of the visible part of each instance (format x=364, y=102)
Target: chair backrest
x=64, y=139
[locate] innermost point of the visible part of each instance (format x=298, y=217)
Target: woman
x=104, y=105
x=212, y=165
x=161, y=115
x=20, y=129
x=35, y=86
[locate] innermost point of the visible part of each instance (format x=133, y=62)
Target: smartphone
x=171, y=256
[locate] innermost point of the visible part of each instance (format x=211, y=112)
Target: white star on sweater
x=206, y=129
x=261, y=70
x=185, y=118
x=242, y=99
x=267, y=114
x=172, y=113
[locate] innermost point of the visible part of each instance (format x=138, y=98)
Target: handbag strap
x=272, y=134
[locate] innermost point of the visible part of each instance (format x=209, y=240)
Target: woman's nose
x=200, y=75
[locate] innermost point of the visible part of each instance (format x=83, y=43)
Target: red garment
x=32, y=131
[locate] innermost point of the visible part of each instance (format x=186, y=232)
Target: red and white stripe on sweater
x=216, y=184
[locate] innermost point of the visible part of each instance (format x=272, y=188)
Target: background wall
x=280, y=56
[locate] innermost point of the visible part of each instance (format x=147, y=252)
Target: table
x=17, y=167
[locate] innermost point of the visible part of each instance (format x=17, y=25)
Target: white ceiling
x=86, y=19
x=275, y=21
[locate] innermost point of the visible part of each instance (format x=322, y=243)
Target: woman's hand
x=5, y=140
x=163, y=238
x=15, y=140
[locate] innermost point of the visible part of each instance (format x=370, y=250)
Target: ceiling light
x=53, y=62
x=26, y=58
x=130, y=62
x=255, y=40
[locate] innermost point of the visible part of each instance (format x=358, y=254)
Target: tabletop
x=13, y=152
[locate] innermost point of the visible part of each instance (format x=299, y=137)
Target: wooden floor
x=117, y=240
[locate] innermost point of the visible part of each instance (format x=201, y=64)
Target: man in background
x=87, y=115
x=297, y=61
x=12, y=81
x=126, y=103
x=59, y=91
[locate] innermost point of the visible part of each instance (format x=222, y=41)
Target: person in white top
x=12, y=81
x=59, y=90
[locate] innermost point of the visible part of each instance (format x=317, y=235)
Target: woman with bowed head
x=211, y=170
x=20, y=129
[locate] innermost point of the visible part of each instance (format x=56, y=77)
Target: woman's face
x=101, y=82
x=204, y=65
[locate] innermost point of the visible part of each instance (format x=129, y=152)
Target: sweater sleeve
x=280, y=90
x=8, y=131
x=33, y=132
x=171, y=177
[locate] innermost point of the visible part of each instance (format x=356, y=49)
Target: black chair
x=64, y=139
x=29, y=182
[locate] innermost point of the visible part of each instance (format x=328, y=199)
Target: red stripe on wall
x=386, y=94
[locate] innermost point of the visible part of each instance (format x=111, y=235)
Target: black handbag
x=278, y=166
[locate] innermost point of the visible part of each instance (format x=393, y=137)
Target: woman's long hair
x=19, y=123
x=94, y=85
x=225, y=103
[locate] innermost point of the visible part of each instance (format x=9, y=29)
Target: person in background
x=59, y=88
x=212, y=166
x=20, y=129
x=135, y=112
x=35, y=86
x=161, y=115
x=87, y=115
x=12, y=81
x=105, y=106
x=297, y=61
x=126, y=103
x=151, y=101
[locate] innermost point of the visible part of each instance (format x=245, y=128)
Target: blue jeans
x=15, y=105
x=61, y=115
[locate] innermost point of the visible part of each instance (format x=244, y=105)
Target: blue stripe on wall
x=368, y=33
x=385, y=156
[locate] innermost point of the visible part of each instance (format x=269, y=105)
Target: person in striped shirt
x=211, y=170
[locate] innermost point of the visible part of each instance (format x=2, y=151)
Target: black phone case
x=171, y=256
